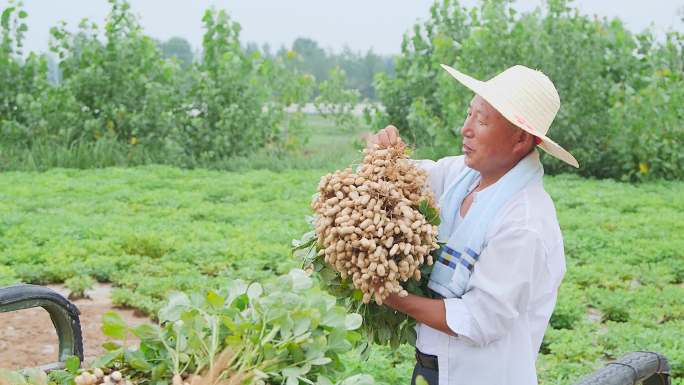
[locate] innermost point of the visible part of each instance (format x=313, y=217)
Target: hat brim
x=481, y=88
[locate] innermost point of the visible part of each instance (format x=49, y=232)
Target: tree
x=179, y=48
x=312, y=58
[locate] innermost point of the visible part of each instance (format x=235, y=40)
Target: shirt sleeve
x=437, y=172
x=500, y=287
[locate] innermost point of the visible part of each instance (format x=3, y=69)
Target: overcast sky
x=360, y=24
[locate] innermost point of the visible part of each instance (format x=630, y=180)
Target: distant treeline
x=305, y=54
x=311, y=58
x=110, y=95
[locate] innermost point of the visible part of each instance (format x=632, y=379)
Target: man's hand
x=393, y=300
x=387, y=137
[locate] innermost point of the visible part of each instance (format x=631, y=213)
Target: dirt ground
x=27, y=337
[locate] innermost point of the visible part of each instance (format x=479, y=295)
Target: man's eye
x=482, y=123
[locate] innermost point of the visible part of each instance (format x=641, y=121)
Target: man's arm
x=430, y=312
x=500, y=291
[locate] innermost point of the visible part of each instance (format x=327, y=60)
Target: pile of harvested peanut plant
x=373, y=234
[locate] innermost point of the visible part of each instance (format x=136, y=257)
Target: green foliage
x=237, y=99
x=619, y=91
x=179, y=48
x=36, y=376
x=359, y=67
x=153, y=230
x=431, y=214
x=7, y=276
x=78, y=285
x=569, y=309
x=283, y=331
x=21, y=77
x=150, y=230
x=311, y=58
x=118, y=87
x=648, y=126
x=121, y=91
x=623, y=255
x=336, y=102
x=387, y=365
x=321, y=144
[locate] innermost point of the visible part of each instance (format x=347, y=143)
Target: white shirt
x=501, y=319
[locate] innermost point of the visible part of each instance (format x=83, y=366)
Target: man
x=497, y=277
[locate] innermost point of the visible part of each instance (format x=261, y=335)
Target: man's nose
x=466, y=130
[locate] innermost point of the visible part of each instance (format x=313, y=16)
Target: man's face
x=488, y=138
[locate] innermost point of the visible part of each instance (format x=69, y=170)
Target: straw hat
x=525, y=97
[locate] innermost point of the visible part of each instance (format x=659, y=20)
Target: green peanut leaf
x=114, y=326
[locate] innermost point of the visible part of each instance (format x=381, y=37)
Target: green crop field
x=153, y=229
x=125, y=163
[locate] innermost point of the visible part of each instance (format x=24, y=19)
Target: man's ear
x=524, y=142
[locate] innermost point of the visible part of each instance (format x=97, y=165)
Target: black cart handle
x=64, y=315
x=648, y=368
